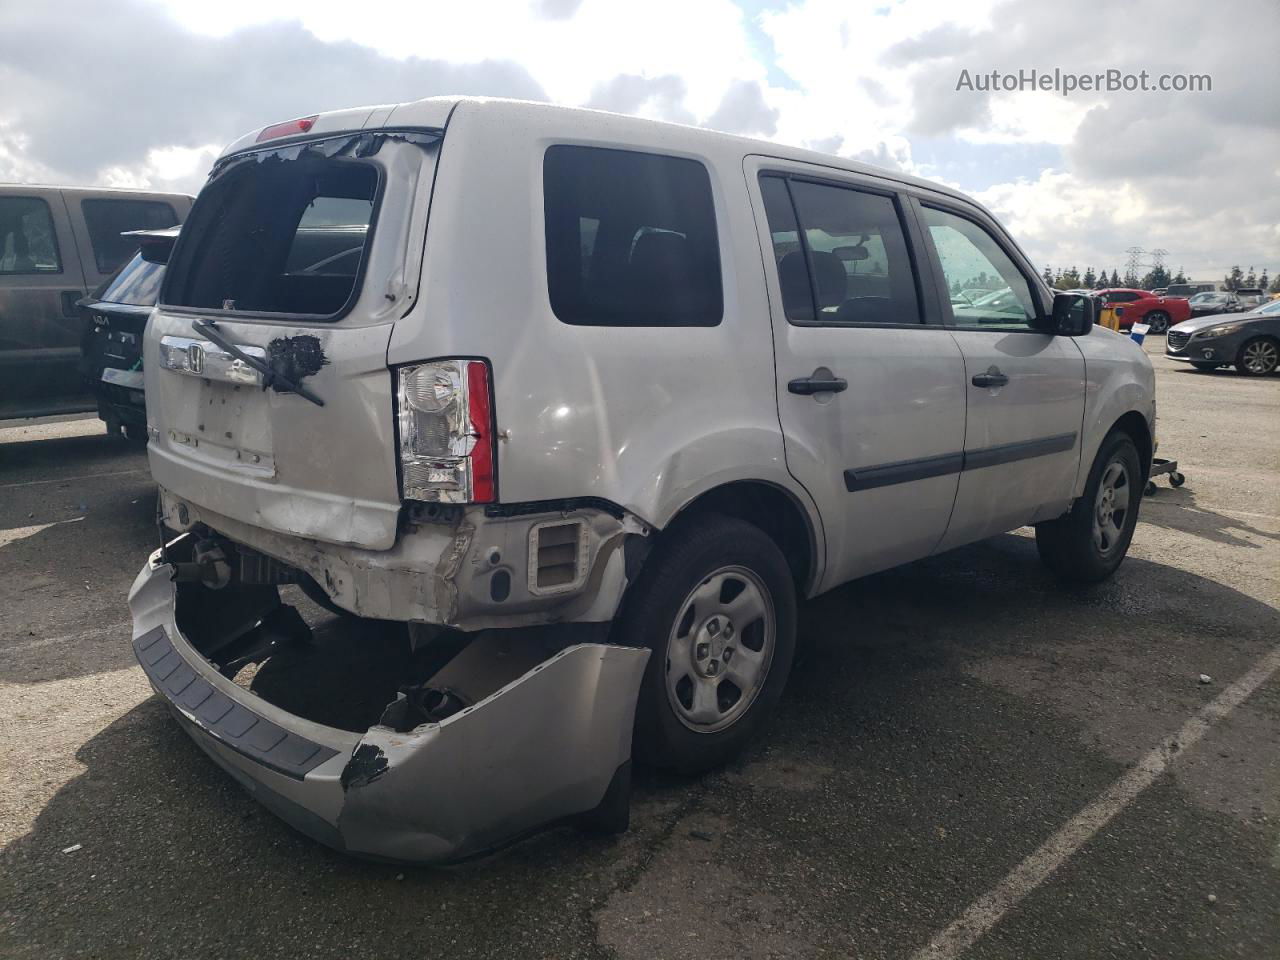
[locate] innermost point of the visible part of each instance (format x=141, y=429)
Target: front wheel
x=1088, y=543
x=716, y=604
x=1258, y=357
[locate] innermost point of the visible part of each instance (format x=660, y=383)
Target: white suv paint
x=474, y=364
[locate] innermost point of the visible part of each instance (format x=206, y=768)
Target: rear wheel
x=1158, y=320
x=1258, y=357
x=716, y=605
x=1088, y=543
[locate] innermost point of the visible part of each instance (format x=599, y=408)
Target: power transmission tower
x=1137, y=260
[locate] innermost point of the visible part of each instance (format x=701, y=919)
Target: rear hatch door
x=298, y=258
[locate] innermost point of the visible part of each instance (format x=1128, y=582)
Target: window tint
x=27, y=241
x=1121, y=297
x=282, y=234
x=137, y=282
x=631, y=239
x=107, y=219
x=859, y=267
x=970, y=257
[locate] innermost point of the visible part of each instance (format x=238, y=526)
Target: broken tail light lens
x=446, y=432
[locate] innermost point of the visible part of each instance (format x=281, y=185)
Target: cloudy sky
x=145, y=92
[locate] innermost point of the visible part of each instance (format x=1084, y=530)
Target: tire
x=1204, y=367
x=1088, y=543
x=1159, y=321
x=747, y=608
x=1258, y=357
x=136, y=434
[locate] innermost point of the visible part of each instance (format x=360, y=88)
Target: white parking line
x=20, y=646
x=14, y=534
x=985, y=912
x=83, y=476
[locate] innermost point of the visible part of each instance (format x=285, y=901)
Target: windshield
x=1271, y=309
x=1208, y=298
x=280, y=232
x=137, y=282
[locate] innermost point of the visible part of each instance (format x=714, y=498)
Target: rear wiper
x=270, y=377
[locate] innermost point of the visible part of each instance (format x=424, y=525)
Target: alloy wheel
x=1260, y=357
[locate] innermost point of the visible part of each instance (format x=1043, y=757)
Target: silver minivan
x=58, y=244
x=589, y=403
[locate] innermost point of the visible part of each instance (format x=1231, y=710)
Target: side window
x=972, y=260
x=107, y=219
x=28, y=243
x=858, y=268
x=631, y=239
x=788, y=254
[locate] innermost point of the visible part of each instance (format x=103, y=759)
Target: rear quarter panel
x=647, y=417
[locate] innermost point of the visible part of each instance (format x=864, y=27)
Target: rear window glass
x=277, y=233
x=108, y=219
x=631, y=239
x=138, y=283
x=27, y=241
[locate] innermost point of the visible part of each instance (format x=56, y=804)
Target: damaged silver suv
x=625, y=390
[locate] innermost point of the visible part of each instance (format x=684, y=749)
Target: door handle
x=807, y=386
x=992, y=378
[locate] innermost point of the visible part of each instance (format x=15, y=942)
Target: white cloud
x=862, y=78
x=165, y=168
x=702, y=42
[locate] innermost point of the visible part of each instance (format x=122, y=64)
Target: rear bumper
x=540, y=747
x=472, y=573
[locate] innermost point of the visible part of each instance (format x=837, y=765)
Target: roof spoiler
x=154, y=245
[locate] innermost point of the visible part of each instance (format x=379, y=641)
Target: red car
x=1143, y=307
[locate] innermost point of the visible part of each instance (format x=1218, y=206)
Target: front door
x=871, y=397
x=1025, y=389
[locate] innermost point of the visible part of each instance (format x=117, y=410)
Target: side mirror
x=1073, y=315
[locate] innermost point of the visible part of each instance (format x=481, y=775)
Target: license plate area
x=227, y=425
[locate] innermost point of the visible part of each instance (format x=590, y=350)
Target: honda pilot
x=588, y=404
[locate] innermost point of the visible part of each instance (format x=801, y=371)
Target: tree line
x=1073, y=279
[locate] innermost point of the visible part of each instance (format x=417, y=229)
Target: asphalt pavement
x=970, y=760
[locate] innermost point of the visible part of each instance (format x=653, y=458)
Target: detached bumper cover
x=543, y=747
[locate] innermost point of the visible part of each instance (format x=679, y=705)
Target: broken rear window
x=280, y=232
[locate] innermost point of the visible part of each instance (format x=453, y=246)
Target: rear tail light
x=446, y=432
x=289, y=128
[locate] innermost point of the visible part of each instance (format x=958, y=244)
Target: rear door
x=1024, y=389
x=870, y=386
x=40, y=282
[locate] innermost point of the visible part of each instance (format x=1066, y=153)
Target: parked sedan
x=1250, y=342
x=1211, y=303
x=111, y=345
x=1160, y=313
